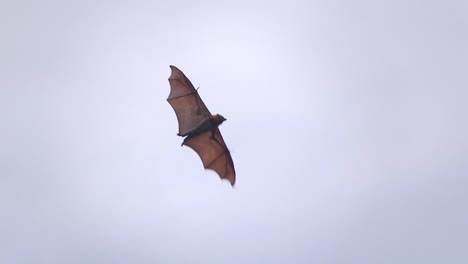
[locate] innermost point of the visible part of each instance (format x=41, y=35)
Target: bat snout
x=218, y=119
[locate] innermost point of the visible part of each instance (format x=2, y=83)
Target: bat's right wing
x=214, y=154
x=187, y=104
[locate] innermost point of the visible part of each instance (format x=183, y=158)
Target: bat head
x=218, y=119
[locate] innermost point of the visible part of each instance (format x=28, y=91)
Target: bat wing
x=187, y=104
x=213, y=153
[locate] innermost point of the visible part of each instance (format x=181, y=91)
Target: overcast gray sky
x=346, y=120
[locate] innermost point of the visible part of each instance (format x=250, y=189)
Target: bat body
x=199, y=126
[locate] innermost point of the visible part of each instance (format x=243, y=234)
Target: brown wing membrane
x=187, y=104
x=214, y=154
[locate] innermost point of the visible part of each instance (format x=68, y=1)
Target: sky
x=346, y=121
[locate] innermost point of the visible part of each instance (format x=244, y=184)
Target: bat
x=199, y=126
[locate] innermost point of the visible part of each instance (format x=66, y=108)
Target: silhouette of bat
x=199, y=127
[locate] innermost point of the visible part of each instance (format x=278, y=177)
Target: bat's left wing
x=187, y=104
x=214, y=154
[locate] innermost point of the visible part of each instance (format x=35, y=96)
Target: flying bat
x=199, y=126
